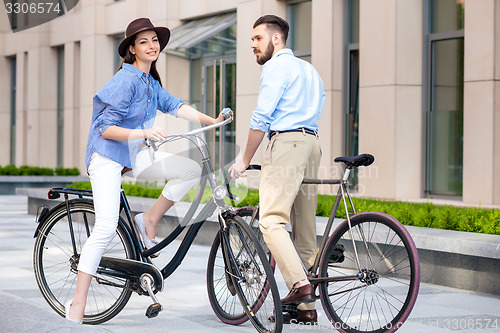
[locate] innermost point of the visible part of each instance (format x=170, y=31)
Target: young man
x=289, y=105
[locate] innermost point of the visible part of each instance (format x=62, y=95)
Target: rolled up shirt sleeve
x=114, y=100
x=273, y=82
x=168, y=103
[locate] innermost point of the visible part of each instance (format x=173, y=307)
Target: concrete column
x=496, y=108
x=247, y=69
x=5, y=96
x=21, y=112
x=390, y=100
x=327, y=49
x=481, y=167
x=42, y=107
x=70, y=81
x=96, y=69
x=92, y=81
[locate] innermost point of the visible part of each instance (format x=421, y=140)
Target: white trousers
x=105, y=177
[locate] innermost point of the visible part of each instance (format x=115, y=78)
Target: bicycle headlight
x=220, y=192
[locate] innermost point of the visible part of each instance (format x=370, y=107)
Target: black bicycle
x=366, y=273
x=127, y=267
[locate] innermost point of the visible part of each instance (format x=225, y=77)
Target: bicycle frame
x=195, y=223
x=342, y=194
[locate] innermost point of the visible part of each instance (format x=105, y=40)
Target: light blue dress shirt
x=291, y=95
x=128, y=101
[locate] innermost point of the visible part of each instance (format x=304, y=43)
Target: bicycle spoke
x=226, y=304
x=387, y=286
x=55, y=263
x=251, y=277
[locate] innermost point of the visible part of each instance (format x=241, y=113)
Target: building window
x=117, y=60
x=444, y=97
x=13, y=82
x=210, y=45
x=60, y=106
x=299, y=16
x=351, y=84
x=352, y=78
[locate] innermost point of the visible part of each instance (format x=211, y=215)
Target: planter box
x=9, y=184
x=463, y=260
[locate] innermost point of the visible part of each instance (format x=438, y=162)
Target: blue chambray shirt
x=128, y=101
x=291, y=95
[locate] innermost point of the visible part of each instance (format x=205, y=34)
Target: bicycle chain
x=135, y=285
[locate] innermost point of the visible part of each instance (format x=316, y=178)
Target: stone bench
x=463, y=260
x=9, y=184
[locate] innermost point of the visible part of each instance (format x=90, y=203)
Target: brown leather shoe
x=304, y=294
x=309, y=317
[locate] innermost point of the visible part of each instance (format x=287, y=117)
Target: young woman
x=123, y=115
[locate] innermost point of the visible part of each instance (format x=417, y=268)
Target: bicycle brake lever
x=226, y=181
x=254, y=167
x=152, y=143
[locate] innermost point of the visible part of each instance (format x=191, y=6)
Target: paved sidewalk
x=187, y=309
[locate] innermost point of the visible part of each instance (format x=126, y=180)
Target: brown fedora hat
x=139, y=25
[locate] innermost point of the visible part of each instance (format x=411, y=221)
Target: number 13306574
x=35, y=7
x=464, y=323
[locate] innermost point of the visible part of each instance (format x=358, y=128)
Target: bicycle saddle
x=356, y=161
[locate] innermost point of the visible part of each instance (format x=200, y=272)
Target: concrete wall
x=481, y=103
x=391, y=95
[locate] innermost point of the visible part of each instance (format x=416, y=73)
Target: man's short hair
x=274, y=22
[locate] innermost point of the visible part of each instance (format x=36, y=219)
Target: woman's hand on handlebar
x=225, y=114
x=156, y=133
x=220, y=118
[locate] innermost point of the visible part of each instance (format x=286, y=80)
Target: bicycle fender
x=41, y=219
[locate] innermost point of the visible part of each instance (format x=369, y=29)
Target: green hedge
x=151, y=190
x=417, y=214
x=427, y=215
x=24, y=170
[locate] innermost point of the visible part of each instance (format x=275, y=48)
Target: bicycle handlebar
x=227, y=113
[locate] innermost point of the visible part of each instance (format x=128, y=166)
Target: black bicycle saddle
x=356, y=161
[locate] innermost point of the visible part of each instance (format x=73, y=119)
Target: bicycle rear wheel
x=385, y=287
x=55, y=263
x=221, y=293
x=252, y=276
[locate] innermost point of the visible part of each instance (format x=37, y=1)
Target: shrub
x=10, y=170
x=24, y=170
x=67, y=171
x=417, y=214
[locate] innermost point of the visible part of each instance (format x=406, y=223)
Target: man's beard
x=266, y=55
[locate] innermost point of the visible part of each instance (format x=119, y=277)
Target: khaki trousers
x=289, y=158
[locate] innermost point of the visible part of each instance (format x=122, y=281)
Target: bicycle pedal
x=153, y=310
x=291, y=308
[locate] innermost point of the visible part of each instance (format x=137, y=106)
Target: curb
x=463, y=260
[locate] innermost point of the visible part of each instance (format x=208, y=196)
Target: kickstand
x=155, y=308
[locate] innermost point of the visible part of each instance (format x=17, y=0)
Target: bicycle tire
x=252, y=276
x=223, y=299
x=383, y=295
x=55, y=263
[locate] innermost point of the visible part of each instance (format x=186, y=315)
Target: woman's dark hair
x=276, y=23
x=130, y=58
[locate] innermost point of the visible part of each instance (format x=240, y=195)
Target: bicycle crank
x=147, y=284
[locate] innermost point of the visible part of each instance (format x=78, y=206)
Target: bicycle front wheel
x=251, y=276
x=55, y=263
x=221, y=294
x=377, y=291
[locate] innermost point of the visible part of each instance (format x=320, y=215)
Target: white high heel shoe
x=66, y=309
x=149, y=243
